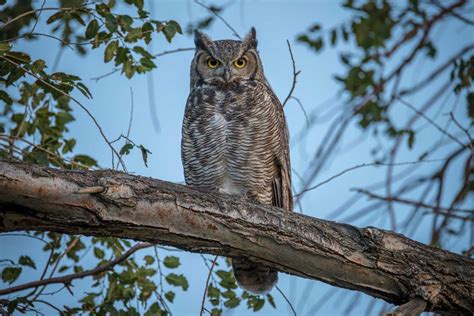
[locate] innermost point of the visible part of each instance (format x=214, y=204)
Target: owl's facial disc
x=226, y=61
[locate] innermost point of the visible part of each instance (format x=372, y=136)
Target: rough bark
x=380, y=263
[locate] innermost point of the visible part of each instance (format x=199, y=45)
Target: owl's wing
x=281, y=185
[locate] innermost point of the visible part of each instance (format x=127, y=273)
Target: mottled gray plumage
x=235, y=137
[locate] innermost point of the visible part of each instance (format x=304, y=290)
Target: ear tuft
x=201, y=40
x=250, y=40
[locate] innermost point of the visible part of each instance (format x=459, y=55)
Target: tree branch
x=380, y=263
x=67, y=279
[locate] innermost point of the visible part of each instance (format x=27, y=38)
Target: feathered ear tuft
x=250, y=40
x=201, y=40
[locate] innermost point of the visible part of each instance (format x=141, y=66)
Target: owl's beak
x=227, y=74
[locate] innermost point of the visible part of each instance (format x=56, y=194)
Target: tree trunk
x=380, y=263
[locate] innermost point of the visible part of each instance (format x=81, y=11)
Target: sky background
x=275, y=22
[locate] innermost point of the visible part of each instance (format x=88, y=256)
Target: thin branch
x=295, y=75
x=412, y=202
x=286, y=299
x=166, y=52
x=9, y=137
x=302, y=110
x=376, y=164
x=40, y=10
x=67, y=279
x=234, y=32
x=465, y=130
x=178, y=50
x=431, y=121
x=428, y=79
x=207, y=284
x=132, y=105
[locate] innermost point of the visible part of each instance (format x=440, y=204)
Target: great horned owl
x=235, y=137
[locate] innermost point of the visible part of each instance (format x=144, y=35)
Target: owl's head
x=226, y=61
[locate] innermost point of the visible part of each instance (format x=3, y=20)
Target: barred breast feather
x=235, y=139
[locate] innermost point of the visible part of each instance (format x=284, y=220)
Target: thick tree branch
x=370, y=260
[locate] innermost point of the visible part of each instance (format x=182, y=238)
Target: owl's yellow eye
x=212, y=63
x=240, y=63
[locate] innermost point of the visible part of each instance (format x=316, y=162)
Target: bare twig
x=431, y=121
x=40, y=10
x=234, y=32
x=178, y=50
x=428, y=79
x=302, y=110
x=411, y=202
x=295, y=75
x=465, y=130
x=207, y=284
x=286, y=299
x=374, y=164
x=166, y=52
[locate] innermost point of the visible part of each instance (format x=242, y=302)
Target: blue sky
x=275, y=22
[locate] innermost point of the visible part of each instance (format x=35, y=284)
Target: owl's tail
x=254, y=277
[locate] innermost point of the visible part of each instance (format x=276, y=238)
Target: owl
x=235, y=137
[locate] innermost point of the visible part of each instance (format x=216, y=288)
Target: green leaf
x=10, y=274
x=170, y=296
x=177, y=280
x=19, y=56
x=99, y=253
x=125, y=22
x=147, y=63
x=171, y=262
x=128, y=69
x=145, y=153
x=85, y=160
x=333, y=37
x=149, y=260
x=257, y=304
x=138, y=4
x=54, y=17
x=170, y=30
x=4, y=47
x=5, y=97
x=111, y=23
x=92, y=29
x=62, y=118
x=411, y=139
x=213, y=292
x=142, y=52
x=84, y=90
x=155, y=310
x=12, y=306
x=216, y=312
x=232, y=303
x=271, y=301
x=110, y=51
x=470, y=104
x=77, y=17
x=27, y=261
x=121, y=55
x=147, y=29
x=40, y=157
x=38, y=65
